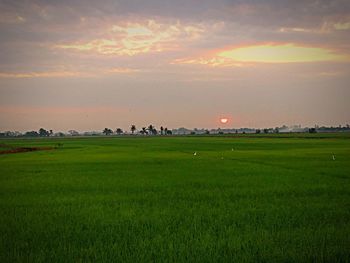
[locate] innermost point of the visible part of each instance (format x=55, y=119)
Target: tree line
x=40, y=133
x=150, y=130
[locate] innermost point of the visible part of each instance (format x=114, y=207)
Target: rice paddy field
x=276, y=198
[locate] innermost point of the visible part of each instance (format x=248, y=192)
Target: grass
x=276, y=199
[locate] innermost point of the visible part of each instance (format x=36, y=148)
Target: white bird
x=232, y=149
x=195, y=153
x=333, y=157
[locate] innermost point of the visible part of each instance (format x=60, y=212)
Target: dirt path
x=12, y=149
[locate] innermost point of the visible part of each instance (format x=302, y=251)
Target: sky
x=87, y=65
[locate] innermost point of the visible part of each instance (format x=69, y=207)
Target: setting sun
x=223, y=120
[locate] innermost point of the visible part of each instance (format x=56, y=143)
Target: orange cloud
x=39, y=74
x=264, y=53
x=328, y=26
x=295, y=29
x=211, y=61
x=65, y=74
x=121, y=71
x=136, y=38
x=280, y=53
x=342, y=26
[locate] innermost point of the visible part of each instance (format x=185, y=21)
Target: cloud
x=342, y=26
x=210, y=61
x=12, y=19
x=69, y=73
x=279, y=53
x=54, y=74
x=264, y=53
x=133, y=38
x=294, y=29
x=87, y=33
x=121, y=70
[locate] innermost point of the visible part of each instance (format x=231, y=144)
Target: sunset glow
x=279, y=54
x=247, y=56
x=185, y=64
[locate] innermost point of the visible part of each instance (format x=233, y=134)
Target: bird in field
x=333, y=157
x=195, y=153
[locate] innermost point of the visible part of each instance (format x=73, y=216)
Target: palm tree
x=43, y=132
x=107, y=131
x=151, y=129
x=143, y=131
x=161, y=130
x=119, y=131
x=166, y=131
x=133, y=128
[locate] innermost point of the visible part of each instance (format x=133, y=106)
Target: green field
x=149, y=199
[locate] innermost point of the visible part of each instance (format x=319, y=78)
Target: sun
x=223, y=120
